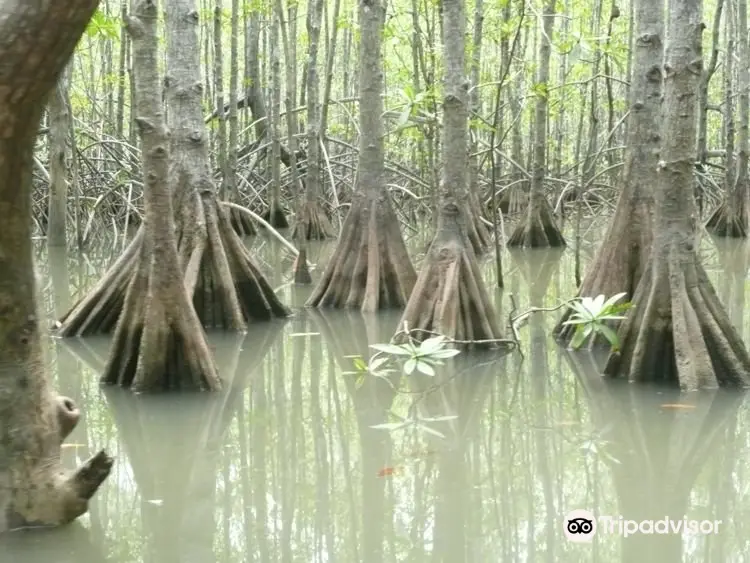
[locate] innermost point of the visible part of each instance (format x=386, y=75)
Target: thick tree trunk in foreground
x=731, y=218
x=623, y=254
x=227, y=288
x=450, y=296
x=538, y=227
x=36, y=41
x=312, y=221
x=370, y=268
x=679, y=330
x=159, y=342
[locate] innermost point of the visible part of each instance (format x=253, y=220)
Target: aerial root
x=312, y=223
x=301, y=271
x=370, y=268
x=728, y=220
x=538, y=228
x=275, y=216
x=449, y=298
x=681, y=333
x=241, y=223
x=98, y=311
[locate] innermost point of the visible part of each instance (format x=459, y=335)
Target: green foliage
x=412, y=356
x=103, y=25
x=591, y=315
x=422, y=357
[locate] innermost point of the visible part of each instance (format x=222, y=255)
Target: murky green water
x=284, y=465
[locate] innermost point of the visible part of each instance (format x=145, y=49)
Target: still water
x=284, y=465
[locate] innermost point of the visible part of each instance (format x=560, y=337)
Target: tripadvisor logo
x=581, y=525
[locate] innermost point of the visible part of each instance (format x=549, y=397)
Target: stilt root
x=679, y=331
x=370, y=268
x=538, y=228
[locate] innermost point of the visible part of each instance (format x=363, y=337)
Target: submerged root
x=241, y=223
x=728, y=220
x=370, y=268
x=228, y=289
x=159, y=344
x=449, y=297
x=275, y=216
x=538, y=228
x=312, y=223
x=679, y=331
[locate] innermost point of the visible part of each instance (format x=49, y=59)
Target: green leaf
x=577, y=321
x=392, y=349
x=612, y=300
x=431, y=345
x=360, y=381
x=431, y=430
x=445, y=353
x=610, y=335
x=425, y=368
x=403, y=119
x=578, y=338
x=439, y=418
x=410, y=365
x=376, y=363
x=582, y=311
x=391, y=426
x=360, y=364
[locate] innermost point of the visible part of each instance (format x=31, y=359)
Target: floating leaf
x=305, y=334
x=677, y=406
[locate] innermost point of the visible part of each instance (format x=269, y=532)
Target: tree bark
x=312, y=222
x=623, y=255
x=538, y=227
x=450, y=296
x=370, y=268
x=36, y=41
x=227, y=288
x=731, y=218
x=158, y=342
x=679, y=332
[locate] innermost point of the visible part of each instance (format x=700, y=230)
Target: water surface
x=284, y=465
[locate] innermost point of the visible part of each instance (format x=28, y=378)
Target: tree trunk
x=158, y=342
x=450, y=297
x=60, y=125
x=227, y=288
x=623, y=254
x=34, y=490
x=679, y=331
x=312, y=222
x=538, y=228
x=731, y=218
x=275, y=213
x=370, y=268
